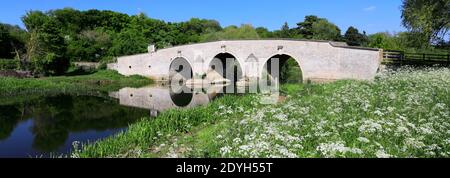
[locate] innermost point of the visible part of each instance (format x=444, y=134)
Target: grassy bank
x=100, y=81
x=140, y=137
x=404, y=113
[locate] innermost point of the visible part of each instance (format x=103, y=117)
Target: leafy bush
x=8, y=64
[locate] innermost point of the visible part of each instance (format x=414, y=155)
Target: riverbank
x=403, y=113
x=99, y=81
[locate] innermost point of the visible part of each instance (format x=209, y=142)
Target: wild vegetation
x=101, y=81
x=402, y=113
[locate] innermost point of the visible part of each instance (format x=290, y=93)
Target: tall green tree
x=430, y=18
x=12, y=43
x=128, y=41
x=354, y=38
x=5, y=45
x=325, y=30
x=305, y=28
x=89, y=45
x=46, y=48
x=284, y=31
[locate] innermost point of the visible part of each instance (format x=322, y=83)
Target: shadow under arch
x=181, y=97
x=229, y=63
x=289, y=69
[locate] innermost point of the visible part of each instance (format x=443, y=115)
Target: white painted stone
x=319, y=60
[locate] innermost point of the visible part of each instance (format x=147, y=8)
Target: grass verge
x=100, y=81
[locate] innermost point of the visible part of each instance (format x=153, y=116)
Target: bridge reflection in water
x=158, y=98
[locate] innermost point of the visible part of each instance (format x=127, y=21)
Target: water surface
x=48, y=125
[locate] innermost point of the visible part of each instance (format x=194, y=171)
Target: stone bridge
x=318, y=60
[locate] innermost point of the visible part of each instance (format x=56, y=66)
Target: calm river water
x=47, y=126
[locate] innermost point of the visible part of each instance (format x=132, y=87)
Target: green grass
x=400, y=114
x=100, y=81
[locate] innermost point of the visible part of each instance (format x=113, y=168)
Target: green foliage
x=46, y=48
x=285, y=31
x=306, y=27
x=127, y=42
x=316, y=28
x=290, y=72
x=103, y=81
x=403, y=41
x=89, y=45
x=383, y=41
x=94, y=35
x=4, y=42
x=264, y=32
x=430, y=18
x=232, y=33
x=8, y=64
x=325, y=30
x=12, y=41
x=354, y=38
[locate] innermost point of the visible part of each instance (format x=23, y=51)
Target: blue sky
x=369, y=15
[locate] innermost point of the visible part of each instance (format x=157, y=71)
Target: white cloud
x=370, y=8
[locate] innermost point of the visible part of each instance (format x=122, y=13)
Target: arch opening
x=289, y=70
x=224, y=68
x=180, y=70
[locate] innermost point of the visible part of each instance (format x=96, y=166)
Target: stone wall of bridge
x=318, y=60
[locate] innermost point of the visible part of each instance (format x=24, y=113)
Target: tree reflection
x=54, y=118
x=9, y=117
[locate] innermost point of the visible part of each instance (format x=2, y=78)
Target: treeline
x=55, y=38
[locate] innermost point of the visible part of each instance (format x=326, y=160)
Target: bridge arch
x=223, y=60
x=180, y=69
x=289, y=67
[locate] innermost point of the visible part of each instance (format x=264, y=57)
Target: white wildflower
x=363, y=139
x=382, y=154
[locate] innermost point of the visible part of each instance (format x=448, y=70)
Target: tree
x=354, y=38
x=71, y=21
x=284, y=32
x=89, y=45
x=110, y=20
x=46, y=47
x=430, y=18
x=245, y=31
x=384, y=41
x=324, y=30
x=305, y=28
x=264, y=32
x=12, y=43
x=128, y=41
x=5, y=45
x=411, y=40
